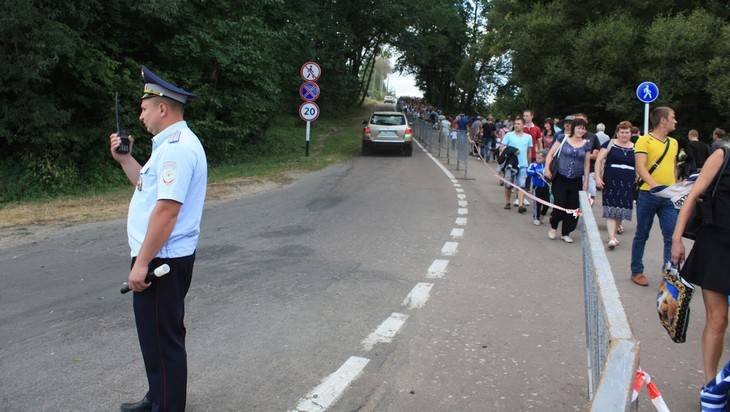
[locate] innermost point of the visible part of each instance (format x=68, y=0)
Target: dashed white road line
x=386, y=331
x=327, y=392
x=333, y=386
x=418, y=295
x=449, y=248
x=437, y=269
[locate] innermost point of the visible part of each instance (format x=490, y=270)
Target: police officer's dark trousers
x=159, y=312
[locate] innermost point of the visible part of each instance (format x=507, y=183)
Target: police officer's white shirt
x=176, y=170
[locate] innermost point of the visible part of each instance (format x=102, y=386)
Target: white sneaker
x=552, y=234
x=525, y=202
x=612, y=244
x=516, y=202
x=567, y=239
x=536, y=222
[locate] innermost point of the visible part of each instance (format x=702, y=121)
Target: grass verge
x=333, y=139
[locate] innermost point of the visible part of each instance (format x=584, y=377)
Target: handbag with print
x=672, y=303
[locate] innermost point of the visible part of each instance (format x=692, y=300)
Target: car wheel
x=365, y=150
x=408, y=150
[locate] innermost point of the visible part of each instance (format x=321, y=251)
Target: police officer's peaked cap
x=154, y=86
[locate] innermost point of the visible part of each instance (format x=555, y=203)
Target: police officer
x=163, y=226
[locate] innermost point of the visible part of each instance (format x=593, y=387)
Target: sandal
x=620, y=229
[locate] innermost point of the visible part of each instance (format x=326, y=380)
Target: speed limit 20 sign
x=309, y=111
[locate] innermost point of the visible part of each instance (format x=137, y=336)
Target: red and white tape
x=575, y=212
x=643, y=378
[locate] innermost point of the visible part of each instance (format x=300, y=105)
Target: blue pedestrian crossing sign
x=647, y=92
x=309, y=91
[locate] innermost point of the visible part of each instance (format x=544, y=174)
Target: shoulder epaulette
x=174, y=138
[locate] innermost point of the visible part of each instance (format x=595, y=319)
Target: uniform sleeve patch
x=168, y=172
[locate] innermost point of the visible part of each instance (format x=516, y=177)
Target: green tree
x=677, y=55
x=589, y=56
x=718, y=71
x=433, y=48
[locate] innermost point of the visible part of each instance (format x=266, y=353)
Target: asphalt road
x=288, y=285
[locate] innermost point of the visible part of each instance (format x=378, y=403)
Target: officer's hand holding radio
x=114, y=142
x=130, y=166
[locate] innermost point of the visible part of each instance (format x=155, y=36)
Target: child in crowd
x=540, y=188
x=452, y=132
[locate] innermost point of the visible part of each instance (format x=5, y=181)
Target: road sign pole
x=306, y=146
x=647, y=92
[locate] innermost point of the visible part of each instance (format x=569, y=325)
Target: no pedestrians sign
x=310, y=71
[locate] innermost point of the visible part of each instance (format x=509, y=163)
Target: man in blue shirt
x=522, y=142
x=463, y=121
x=163, y=226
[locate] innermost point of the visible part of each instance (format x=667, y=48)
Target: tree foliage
x=61, y=62
x=589, y=56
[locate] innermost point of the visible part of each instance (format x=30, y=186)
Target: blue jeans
x=487, y=146
x=648, y=205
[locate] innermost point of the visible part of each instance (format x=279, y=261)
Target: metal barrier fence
x=438, y=142
x=613, y=351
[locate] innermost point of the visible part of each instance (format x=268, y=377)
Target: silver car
x=387, y=129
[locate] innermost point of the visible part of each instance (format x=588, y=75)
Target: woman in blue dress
x=615, y=174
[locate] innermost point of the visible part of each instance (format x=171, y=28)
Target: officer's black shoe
x=142, y=406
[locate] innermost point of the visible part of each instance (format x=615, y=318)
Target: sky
x=403, y=84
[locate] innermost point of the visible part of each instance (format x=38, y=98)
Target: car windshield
x=388, y=120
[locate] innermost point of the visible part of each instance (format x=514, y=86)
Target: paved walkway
x=545, y=291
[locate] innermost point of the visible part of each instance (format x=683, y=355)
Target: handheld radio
x=124, y=145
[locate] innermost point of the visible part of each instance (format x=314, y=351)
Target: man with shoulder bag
x=656, y=160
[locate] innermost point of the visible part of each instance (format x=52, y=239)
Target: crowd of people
x=555, y=161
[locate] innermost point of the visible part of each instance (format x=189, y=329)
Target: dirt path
x=31, y=222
